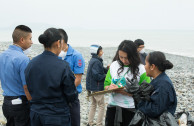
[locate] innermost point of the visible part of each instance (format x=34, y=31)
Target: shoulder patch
x=79, y=62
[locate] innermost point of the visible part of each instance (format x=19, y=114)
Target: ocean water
x=180, y=42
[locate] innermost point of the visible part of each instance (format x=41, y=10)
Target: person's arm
x=78, y=78
x=68, y=85
x=108, y=80
x=98, y=72
x=159, y=102
x=144, y=77
x=23, y=66
x=78, y=69
x=155, y=107
x=106, y=68
x=28, y=96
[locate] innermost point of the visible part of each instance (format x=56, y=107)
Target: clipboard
x=104, y=92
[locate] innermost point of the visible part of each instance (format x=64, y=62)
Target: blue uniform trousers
x=16, y=115
x=49, y=120
x=75, y=113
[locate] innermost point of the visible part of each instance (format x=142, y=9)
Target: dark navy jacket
x=142, y=57
x=50, y=82
x=96, y=74
x=162, y=99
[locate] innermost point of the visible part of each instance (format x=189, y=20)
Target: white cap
x=94, y=49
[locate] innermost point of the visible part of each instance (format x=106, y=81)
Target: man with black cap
x=141, y=49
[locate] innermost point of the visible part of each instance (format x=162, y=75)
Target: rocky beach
x=182, y=76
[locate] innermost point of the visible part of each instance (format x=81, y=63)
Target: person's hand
x=123, y=92
x=108, y=66
x=113, y=86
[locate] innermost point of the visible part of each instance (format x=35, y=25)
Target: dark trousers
x=75, y=113
x=16, y=115
x=110, y=116
x=49, y=120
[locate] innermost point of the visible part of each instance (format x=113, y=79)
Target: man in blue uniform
x=13, y=62
x=77, y=65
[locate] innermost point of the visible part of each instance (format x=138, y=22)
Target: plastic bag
x=140, y=119
x=140, y=92
x=190, y=119
x=132, y=86
x=146, y=89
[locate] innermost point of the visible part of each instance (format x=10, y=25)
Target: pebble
x=182, y=76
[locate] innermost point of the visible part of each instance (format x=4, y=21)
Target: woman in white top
x=121, y=105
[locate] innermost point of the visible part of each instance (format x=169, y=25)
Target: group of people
x=45, y=91
x=42, y=91
x=130, y=62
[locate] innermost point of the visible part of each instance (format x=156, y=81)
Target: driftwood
x=104, y=92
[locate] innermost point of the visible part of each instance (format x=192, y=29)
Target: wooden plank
x=104, y=92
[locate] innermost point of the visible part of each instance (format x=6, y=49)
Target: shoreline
x=182, y=76
x=147, y=50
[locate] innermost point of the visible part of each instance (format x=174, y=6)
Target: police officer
x=50, y=83
x=13, y=62
x=76, y=62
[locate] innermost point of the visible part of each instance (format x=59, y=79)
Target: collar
x=70, y=50
x=97, y=57
x=159, y=76
x=14, y=47
x=49, y=53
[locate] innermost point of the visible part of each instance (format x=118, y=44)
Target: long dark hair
x=129, y=47
x=116, y=56
x=158, y=59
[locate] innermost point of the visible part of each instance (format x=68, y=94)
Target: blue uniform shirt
x=12, y=65
x=76, y=63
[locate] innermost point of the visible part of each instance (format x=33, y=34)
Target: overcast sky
x=98, y=14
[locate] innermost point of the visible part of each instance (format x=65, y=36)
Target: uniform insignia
x=79, y=63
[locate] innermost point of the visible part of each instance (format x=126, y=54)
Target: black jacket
x=142, y=57
x=96, y=74
x=162, y=99
x=50, y=82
